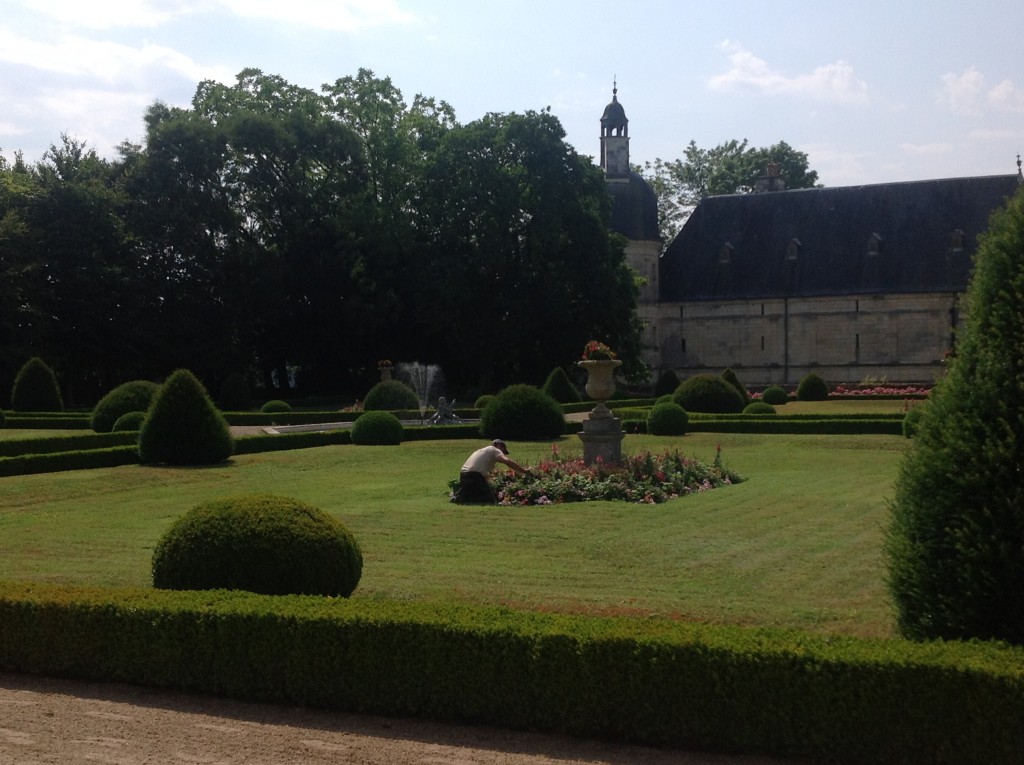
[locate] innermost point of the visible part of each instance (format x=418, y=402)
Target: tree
x=955, y=544
x=733, y=167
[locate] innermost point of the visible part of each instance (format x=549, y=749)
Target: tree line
x=299, y=237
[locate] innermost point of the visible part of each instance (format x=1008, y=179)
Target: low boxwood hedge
x=650, y=681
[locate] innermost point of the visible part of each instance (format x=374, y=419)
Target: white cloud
x=831, y=82
x=341, y=15
x=111, y=13
x=926, y=149
x=967, y=94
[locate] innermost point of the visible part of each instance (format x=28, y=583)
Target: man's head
x=500, y=444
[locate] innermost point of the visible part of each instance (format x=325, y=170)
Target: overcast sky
x=872, y=90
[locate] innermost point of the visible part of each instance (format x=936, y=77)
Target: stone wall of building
x=845, y=339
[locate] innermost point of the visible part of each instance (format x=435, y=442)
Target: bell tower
x=615, y=139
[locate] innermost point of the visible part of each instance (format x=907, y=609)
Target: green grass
x=797, y=544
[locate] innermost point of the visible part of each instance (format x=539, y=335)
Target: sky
x=873, y=91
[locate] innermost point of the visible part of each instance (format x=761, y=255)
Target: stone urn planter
x=600, y=383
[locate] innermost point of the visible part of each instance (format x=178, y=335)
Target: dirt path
x=44, y=720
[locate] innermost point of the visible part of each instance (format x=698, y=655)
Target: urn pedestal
x=602, y=431
x=385, y=373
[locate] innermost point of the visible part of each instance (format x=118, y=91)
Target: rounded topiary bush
x=560, y=387
x=912, y=421
x=522, y=412
x=183, y=427
x=812, y=388
x=275, y=406
x=377, y=429
x=261, y=543
x=483, y=401
x=35, y=388
x=730, y=377
x=235, y=395
x=390, y=395
x=708, y=393
x=759, y=407
x=667, y=419
x=667, y=383
x=133, y=396
x=775, y=395
x=129, y=421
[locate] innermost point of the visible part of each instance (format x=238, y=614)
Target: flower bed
x=643, y=478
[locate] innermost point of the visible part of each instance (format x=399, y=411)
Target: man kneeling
x=474, y=488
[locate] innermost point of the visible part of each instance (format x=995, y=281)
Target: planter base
x=602, y=439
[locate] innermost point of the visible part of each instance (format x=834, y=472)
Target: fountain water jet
x=425, y=379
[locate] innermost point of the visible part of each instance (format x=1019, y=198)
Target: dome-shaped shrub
x=775, y=395
x=183, y=427
x=730, y=377
x=811, y=388
x=560, y=387
x=665, y=398
x=483, y=401
x=522, y=412
x=912, y=420
x=235, y=395
x=390, y=395
x=129, y=421
x=708, y=393
x=133, y=396
x=667, y=419
x=377, y=429
x=667, y=383
x=261, y=543
x=759, y=407
x=275, y=406
x=35, y=388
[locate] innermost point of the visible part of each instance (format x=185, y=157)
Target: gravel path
x=44, y=720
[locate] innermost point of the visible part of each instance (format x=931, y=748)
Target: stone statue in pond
x=445, y=414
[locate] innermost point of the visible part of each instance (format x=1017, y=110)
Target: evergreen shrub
x=955, y=543
x=275, y=406
x=235, y=395
x=132, y=396
x=664, y=397
x=912, y=420
x=260, y=543
x=667, y=419
x=667, y=383
x=522, y=412
x=183, y=427
x=708, y=393
x=730, y=377
x=560, y=387
x=129, y=421
x=35, y=388
x=483, y=401
x=391, y=394
x=812, y=388
x=759, y=407
x=377, y=428
x=775, y=395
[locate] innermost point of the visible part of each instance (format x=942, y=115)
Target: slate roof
x=912, y=237
x=634, y=208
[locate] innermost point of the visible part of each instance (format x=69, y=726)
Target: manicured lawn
x=797, y=544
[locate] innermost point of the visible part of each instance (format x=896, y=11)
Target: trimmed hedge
x=653, y=682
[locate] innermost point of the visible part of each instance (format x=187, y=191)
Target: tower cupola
x=615, y=139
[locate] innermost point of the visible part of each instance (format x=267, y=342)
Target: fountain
x=425, y=379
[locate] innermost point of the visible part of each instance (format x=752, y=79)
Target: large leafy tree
x=733, y=167
x=518, y=267
x=955, y=546
x=18, y=188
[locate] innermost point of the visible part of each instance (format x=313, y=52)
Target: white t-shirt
x=483, y=460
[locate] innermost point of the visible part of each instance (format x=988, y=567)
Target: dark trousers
x=474, y=490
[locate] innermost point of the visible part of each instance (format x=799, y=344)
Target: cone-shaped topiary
x=36, y=389
x=560, y=387
x=261, y=543
x=812, y=388
x=183, y=427
x=389, y=395
x=667, y=383
x=759, y=407
x=708, y=393
x=377, y=429
x=235, y=395
x=730, y=377
x=667, y=419
x=775, y=395
x=133, y=396
x=955, y=544
x=129, y=421
x=522, y=412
